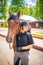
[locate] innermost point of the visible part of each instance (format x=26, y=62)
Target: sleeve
x=30, y=39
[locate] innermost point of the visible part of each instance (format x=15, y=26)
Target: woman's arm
x=27, y=47
x=24, y=48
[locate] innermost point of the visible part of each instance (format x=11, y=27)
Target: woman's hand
x=27, y=47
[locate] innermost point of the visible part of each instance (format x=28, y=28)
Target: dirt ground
x=7, y=55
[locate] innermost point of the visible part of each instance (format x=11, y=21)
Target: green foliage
x=20, y=5
x=38, y=10
x=3, y=8
x=16, y=5
x=27, y=11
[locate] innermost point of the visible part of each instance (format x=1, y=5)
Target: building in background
x=34, y=23
x=37, y=24
x=2, y=22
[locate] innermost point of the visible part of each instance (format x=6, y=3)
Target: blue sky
x=9, y=1
x=28, y=2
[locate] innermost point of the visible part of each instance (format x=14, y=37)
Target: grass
x=3, y=27
x=39, y=35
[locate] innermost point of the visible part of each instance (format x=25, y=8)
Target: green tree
x=1, y=5
x=3, y=9
x=16, y=5
x=38, y=9
x=27, y=11
x=20, y=5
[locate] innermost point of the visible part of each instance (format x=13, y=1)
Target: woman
x=24, y=43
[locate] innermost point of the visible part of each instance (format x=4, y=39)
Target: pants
x=24, y=58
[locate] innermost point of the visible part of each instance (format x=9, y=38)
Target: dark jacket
x=23, y=39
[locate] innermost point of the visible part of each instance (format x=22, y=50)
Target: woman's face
x=25, y=28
